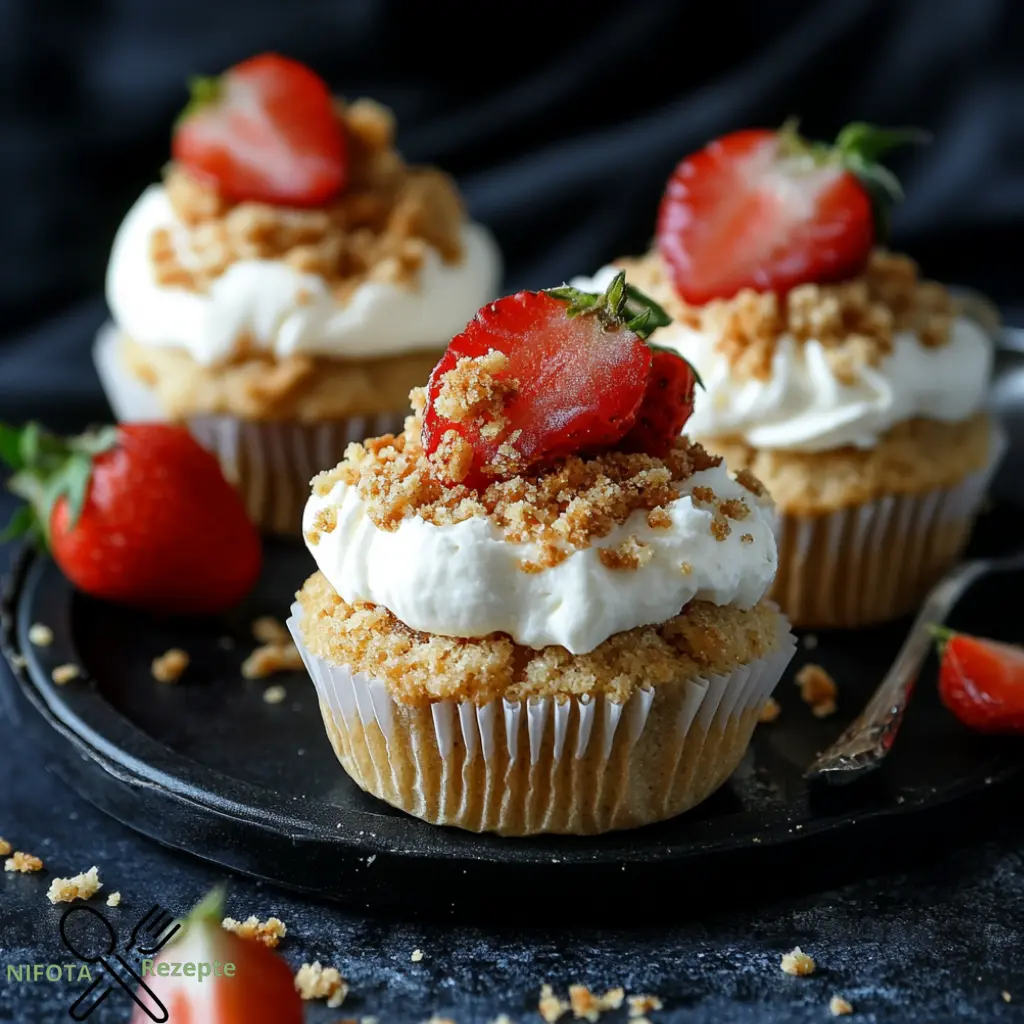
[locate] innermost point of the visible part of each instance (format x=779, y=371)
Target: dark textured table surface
x=931, y=931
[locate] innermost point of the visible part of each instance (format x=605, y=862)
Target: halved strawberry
x=981, y=681
x=769, y=210
x=579, y=365
x=666, y=406
x=266, y=130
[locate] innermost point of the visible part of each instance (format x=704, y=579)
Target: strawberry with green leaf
x=769, y=210
x=139, y=514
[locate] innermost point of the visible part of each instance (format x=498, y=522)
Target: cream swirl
x=465, y=579
x=284, y=311
x=803, y=406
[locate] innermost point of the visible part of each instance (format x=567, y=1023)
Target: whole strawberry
x=139, y=514
x=232, y=981
x=267, y=131
x=769, y=210
x=575, y=372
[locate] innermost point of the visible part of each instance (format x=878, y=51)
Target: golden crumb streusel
x=418, y=668
x=314, y=981
x=853, y=320
x=170, y=666
x=78, y=887
x=26, y=863
x=378, y=229
x=269, y=932
x=798, y=963
x=818, y=690
x=588, y=1006
x=567, y=507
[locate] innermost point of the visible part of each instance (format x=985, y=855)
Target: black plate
x=207, y=766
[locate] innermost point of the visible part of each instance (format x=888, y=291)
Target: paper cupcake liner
x=270, y=462
x=875, y=562
x=568, y=764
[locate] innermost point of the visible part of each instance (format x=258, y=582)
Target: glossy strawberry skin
x=270, y=134
x=161, y=529
x=580, y=384
x=666, y=406
x=732, y=217
x=982, y=683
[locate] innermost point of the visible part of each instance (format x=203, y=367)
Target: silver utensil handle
x=866, y=741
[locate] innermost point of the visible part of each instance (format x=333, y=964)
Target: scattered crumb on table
x=314, y=981
x=5, y=847
x=797, y=963
x=270, y=659
x=417, y=956
x=817, y=689
x=114, y=899
x=275, y=694
x=550, y=1006
x=26, y=863
x=586, y=1005
x=65, y=673
x=771, y=710
x=40, y=634
x=268, y=630
x=641, y=1005
x=269, y=932
x=170, y=665
x=839, y=1007
x=78, y=887
x=1006, y=996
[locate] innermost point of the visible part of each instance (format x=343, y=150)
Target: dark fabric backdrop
x=561, y=123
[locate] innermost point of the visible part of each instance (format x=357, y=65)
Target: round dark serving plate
x=207, y=766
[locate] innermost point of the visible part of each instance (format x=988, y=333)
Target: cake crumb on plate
x=797, y=963
x=586, y=1005
x=270, y=659
x=65, y=673
x=268, y=630
x=269, y=932
x=114, y=899
x=26, y=863
x=275, y=694
x=550, y=1006
x=78, y=887
x=169, y=667
x=5, y=847
x=417, y=956
x=40, y=635
x=771, y=710
x=839, y=1007
x=641, y=1005
x=817, y=689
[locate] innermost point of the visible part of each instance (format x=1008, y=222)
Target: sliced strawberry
x=579, y=366
x=666, y=406
x=768, y=210
x=266, y=131
x=981, y=681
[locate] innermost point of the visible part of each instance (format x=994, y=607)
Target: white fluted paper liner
x=570, y=765
x=270, y=462
x=877, y=561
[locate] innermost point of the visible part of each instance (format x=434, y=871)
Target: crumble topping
x=771, y=711
x=839, y=1007
x=26, y=863
x=169, y=667
x=114, y=899
x=471, y=392
x=817, y=689
x=853, y=320
x=269, y=932
x=63, y=674
x=798, y=963
x=641, y=1005
x=40, y=635
x=704, y=639
x=271, y=658
x=631, y=554
x=78, y=887
x=569, y=506
x=314, y=981
x=378, y=229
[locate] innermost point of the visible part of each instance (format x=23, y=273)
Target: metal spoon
x=863, y=746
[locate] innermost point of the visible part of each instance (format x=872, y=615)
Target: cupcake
x=851, y=387
x=539, y=608
x=288, y=283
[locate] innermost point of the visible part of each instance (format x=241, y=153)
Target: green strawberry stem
x=942, y=635
x=619, y=305
x=47, y=468
x=204, y=91
x=858, y=148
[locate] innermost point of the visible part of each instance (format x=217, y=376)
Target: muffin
x=288, y=282
x=539, y=608
x=851, y=387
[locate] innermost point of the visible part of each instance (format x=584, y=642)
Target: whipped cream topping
x=464, y=579
x=804, y=407
x=284, y=311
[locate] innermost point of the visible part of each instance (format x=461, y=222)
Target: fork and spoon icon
x=97, y=946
